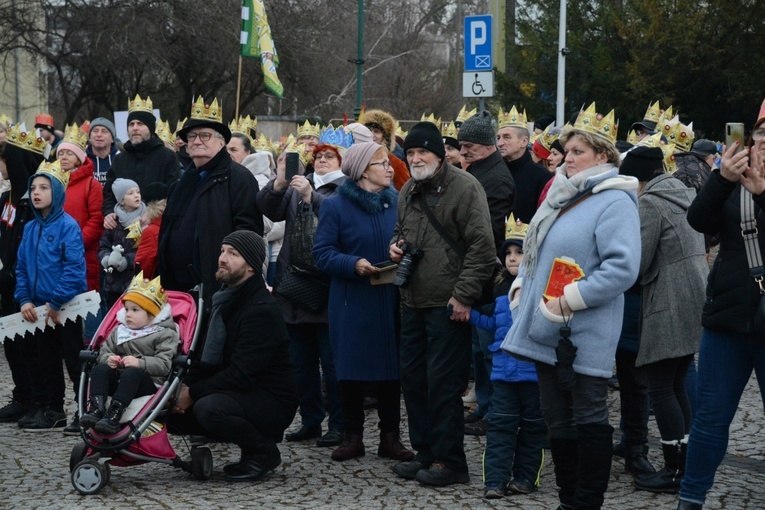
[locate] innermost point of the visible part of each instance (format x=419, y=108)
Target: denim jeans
x=517, y=431
x=309, y=347
x=435, y=361
x=726, y=361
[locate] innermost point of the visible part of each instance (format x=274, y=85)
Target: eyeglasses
x=758, y=134
x=385, y=164
x=325, y=155
x=204, y=136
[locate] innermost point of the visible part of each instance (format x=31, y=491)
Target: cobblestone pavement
x=35, y=475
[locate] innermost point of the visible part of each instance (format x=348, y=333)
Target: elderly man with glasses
x=214, y=197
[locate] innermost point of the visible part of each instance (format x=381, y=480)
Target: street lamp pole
x=562, y=52
x=359, y=61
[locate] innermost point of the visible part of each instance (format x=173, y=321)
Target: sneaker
x=469, y=399
x=13, y=411
x=46, y=420
x=471, y=417
x=73, y=429
x=29, y=417
x=521, y=486
x=438, y=475
x=493, y=491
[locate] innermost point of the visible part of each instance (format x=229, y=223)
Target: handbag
x=306, y=289
x=300, y=238
x=753, y=256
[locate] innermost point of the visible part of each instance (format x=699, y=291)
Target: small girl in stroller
x=137, y=354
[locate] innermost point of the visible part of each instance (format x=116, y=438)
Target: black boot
x=565, y=455
x=595, y=452
x=255, y=464
x=667, y=479
x=95, y=412
x=687, y=505
x=110, y=423
x=636, y=462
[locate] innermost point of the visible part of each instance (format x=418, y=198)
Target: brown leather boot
x=351, y=447
x=392, y=448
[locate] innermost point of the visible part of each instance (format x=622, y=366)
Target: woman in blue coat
x=353, y=232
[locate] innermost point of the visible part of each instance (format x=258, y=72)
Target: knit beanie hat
x=425, y=135
x=361, y=133
x=121, y=186
x=357, y=159
x=557, y=146
x=109, y=125
x=145, y=117
x=642, y=162
x=478, y=129
x=250, y=246
x=74, y=148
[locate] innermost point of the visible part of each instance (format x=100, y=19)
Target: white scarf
x=321, y=180
x=561, y=192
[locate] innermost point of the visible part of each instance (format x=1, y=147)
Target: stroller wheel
x=201, y=463
x=79, y=451
x=90, y=476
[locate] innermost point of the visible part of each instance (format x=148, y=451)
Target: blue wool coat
x=602, y=235
x=504, y=367
x=356, y=224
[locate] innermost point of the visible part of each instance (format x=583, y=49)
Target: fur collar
x=371, y=203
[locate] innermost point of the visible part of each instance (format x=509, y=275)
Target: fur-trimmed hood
x=154, y=209
x=383, y=121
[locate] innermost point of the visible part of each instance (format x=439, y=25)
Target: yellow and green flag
x=257, y=41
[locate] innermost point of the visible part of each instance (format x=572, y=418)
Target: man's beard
x=229, y=277
x=424, y=172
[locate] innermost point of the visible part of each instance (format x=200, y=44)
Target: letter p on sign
x=477, y=35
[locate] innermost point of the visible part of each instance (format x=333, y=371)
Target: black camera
x=407, y=264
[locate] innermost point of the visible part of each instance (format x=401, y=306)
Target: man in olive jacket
x=242, y=389
x=448, y=277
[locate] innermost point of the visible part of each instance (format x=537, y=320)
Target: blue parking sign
x=478, y=43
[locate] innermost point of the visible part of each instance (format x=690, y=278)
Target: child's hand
x=131, y=362
x=28, y=312
x=53, y=315
x=113, y=361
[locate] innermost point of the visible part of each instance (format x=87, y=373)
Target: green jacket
x=462, y=209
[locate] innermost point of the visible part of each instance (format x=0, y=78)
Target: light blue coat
x=602, y=235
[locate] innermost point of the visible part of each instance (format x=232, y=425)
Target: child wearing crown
x=136, y=356
x=118, y=245
x=517, y=433
x=50, y=270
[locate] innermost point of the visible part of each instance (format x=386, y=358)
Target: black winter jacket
x=530, y=180
x=147, y=162
x=499, y=185
x=732, y=294
x=226, y=203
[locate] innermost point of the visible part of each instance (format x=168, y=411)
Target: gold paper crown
x=54, y=170
x=244, y=126
x=140, y=105
x=179, y=125
x=668, y=151
x=653, y=112
x=400, y=132
x=449, y=130
x=678, y=133
x=29, y=141
x=547, y=139
x=74, y=135
x=632, y=137
x=264, y=144
x=592, y=122
x=5, y=121
x=511, y=119
x=164, y=133
x=431, y=118
x=307, y=129
x=651, y=141
x=152, y=290
x=202, y=111
x=516, y=229
x=302, y=150
x=463, y=115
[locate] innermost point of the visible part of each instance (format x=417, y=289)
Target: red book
x=564, y=271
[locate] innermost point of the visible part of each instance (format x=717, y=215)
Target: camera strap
x=440, y=228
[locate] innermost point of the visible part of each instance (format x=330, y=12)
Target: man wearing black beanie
x=145, y=159
x=444, y=221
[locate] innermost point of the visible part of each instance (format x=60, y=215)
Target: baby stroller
x=143, y=437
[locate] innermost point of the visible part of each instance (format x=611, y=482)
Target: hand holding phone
x=734, y=132
x=293, y=165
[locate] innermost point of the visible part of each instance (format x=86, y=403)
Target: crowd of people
x=347, y=266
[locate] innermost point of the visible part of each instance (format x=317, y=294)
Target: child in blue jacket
x=517, y=432
x=50, y=271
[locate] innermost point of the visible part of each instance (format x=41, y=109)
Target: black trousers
x=123, y=385
x=388, y=405
x=634, y=398
x=14, y=353
x=666, y=385
x=435, y=357
x=253, y=421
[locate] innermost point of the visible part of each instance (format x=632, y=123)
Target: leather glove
x=564, y=367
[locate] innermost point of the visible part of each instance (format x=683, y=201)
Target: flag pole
x=238, y=87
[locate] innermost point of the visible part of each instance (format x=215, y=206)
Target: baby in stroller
x=136, y=356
